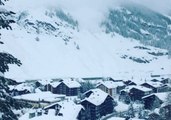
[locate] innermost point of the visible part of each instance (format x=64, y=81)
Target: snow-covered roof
x=73, y=110
x=128, y=88
x=145, y=89
x=50, y=116
x=155, y=84
x=41, y=96
x=37, y=90
x=111, y=84
x=71, y=83
x=165, y=104
x=161, y=96
x=97, y=97
x=156, y=111
x=55, y=84
x=22, y=87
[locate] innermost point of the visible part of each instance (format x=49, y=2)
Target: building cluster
x=92, y=98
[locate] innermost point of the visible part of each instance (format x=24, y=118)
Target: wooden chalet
x=165, y=111
x=137, y=92
x=154, y=100
x=68, y=87
x=110, y=87
x=155, y=86
x=162, y=80
x=97, y=103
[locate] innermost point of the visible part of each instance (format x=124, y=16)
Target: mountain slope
x=50, y=43
x=137, y=22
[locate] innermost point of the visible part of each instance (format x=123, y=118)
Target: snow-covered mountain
x=140, y=23
x=52, y=41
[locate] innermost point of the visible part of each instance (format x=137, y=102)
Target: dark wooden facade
x=154, y=116
x=155, y=89
x=64, y=89
x=165, y=81
x=48, y=87
x=151, y=102
x=137, y=94
x=165, y=111
x=96, y=112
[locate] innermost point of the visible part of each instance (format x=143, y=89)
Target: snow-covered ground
x=89, y=52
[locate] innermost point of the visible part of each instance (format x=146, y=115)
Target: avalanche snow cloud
x=62, y=38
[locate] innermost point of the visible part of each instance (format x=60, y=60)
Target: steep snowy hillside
x=138, y=22
x=50, y=43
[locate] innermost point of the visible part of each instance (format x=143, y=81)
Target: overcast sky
x=94, y=10
x=90, y=13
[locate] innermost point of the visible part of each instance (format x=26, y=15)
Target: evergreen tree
x=7, y=103
x=86, y=86
x=5, y=17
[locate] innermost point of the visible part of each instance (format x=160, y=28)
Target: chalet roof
x=154, y=84
x=111, y=84
x=50, y=116
x=71, y=83
x=155, y=111
x=40, y=96
x=55, y=84
x=97, y=97
x=144, y=89
x=22, y=87
x=161, y=78
x=128, y=88
x=73, y=110
x=165, y=104
x=161, y=96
